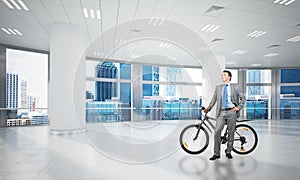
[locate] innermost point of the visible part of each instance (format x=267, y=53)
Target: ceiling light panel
x=230, y=63
x=91, y=13
x=153, y=21
x=271, y=55
x=294, y=39
x=210, y=28
x=165, y=45
x=256, y=34
x=255, y=65
x=284, y=2
x=15, y=4
x=11, y=31
x=239, y=52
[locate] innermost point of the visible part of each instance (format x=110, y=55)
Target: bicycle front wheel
x=245, y=139
x=194, y=139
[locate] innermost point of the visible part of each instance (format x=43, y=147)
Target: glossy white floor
x=148, y=150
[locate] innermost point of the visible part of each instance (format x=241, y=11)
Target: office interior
x=101, y=89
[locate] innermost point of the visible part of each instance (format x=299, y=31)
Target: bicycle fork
x=198, y=131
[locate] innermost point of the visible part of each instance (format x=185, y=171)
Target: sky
x=32, y=67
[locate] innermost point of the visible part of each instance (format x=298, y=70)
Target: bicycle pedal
x=243, y=149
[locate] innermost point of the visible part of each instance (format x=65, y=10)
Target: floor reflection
x=222, y=169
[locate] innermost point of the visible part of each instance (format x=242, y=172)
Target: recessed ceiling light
x=256, y=34
x=91, y=13
x=134, y=56
x=230, y=63
x=271, y=54
x=255, y=65
x=294, y=39
x=12, y=31
x=136, y=30
x=15, y=4
x=210, y=28
x=284, y=2
x=156, y=21
x=18, y=32
x=239, y=52
x=165, y=45
x=121, y=41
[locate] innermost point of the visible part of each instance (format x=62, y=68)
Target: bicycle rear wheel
x=245, y=139
x=191, y=142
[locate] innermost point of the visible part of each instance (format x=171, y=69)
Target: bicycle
x=194, y=138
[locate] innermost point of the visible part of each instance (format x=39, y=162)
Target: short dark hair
x=229, y=73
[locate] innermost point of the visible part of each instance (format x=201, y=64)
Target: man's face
x=225, y=77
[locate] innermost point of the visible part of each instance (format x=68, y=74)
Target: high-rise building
x=172, y=75
x=24, y=101
x=105, y=90
x=32, y=102
x=12, y=90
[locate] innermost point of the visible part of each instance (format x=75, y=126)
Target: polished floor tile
x=144, y=150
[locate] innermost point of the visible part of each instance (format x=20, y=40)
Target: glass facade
x=179, y=90
x=290, y=94
x=108, y=97
x=258, y=94
x=173, y=93
x=166, y=93
x=26, y=90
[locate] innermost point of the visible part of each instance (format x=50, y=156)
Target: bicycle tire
x=251, y=139
x=188, y=144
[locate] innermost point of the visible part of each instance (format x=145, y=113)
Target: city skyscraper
x=105, y=90
x=32, y=102
x=13, y=99
x=24, y=102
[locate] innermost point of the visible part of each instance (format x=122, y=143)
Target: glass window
x=258, y=104
x=258, y=76
x=103, y=104
x=147, y=90
x=290, y=94
x=125, y=71
x=290, y=75
x=175, y=74
x=101, y=69
x=108, y=100
x=125, y=92
x=147, y=73
x=26, y=89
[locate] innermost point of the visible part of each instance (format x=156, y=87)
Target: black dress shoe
x=214, y=157
x=229, y=155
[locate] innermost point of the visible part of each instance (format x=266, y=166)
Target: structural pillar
x=2, y=86
x=67, y=78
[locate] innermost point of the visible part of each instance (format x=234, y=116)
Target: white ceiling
x=127, y=22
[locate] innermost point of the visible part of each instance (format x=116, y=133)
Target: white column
x=67, y=78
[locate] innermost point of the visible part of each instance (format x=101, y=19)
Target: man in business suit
x=230, y=100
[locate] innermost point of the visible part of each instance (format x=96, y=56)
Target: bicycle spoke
x=194, y=140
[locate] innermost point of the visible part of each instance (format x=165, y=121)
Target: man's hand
x=235, y=109
x=205, y=110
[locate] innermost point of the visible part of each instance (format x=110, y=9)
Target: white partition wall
x=67, y=78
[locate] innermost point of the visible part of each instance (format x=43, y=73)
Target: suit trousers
x=229, y=117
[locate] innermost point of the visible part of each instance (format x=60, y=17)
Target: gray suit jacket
x=237, y=98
